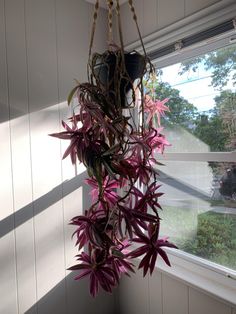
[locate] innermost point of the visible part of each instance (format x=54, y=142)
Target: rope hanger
x=110, y=5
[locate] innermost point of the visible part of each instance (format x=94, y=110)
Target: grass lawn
x=210, y=235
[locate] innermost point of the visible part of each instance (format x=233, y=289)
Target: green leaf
x=71, y=94
x=111, y=150
x=117, y=253
x=109, y=169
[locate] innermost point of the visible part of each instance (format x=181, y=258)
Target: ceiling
x=103, y=2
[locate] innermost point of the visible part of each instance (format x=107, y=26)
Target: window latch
x=179, y=45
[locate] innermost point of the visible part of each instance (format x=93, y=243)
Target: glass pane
x=199, y=209
x=199, y=205
x=202, y=102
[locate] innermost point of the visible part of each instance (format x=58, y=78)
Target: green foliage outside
x=209, y=235
x=212, y=127
x=181, y=112
x=222, y=62
x=216, y=127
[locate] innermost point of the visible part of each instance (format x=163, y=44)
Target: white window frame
x=212, y=278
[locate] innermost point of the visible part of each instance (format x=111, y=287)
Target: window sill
x=206, y=276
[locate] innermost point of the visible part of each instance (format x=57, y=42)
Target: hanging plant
x=119, y=152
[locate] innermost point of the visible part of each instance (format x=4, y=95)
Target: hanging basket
x=116, y=77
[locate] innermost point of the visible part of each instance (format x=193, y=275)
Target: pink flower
x=102, y=271
x=99, y=272
x=153, y=108
x=109, y=193
x=157, y=141
x=151, y=248
x=76, y=137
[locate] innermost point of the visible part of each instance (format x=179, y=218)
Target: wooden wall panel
x=175, y=296
x=204, y=304
x=72, y=44
x=155, y=293
x=169, y=11
x=46, y=164
x=43, y=47
x=165, y=295
x=134, y=294
x=150, y=20
x=8, y=286
x=21, y=155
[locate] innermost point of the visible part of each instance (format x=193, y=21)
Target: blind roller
x=194, y=39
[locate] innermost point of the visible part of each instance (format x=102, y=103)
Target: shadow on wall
x=77, y=300
x=40, y=204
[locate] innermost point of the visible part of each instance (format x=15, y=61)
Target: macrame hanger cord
x=119, y=27
x=110, y=15
x=145, y=54
x=136, y=23
x=95, y=15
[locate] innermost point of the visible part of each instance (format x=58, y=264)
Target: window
x=199, y=176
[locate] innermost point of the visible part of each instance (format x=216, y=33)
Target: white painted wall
x=43, y=47
x=164, y=294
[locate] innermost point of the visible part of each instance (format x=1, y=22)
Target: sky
x=193, y=86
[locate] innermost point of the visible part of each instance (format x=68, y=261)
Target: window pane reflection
x=199, y=209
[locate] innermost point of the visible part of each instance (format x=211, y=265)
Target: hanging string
x=136, y=23
x=95, y=15
x=119, y=25
x=110, y=15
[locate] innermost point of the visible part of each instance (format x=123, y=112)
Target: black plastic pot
x=107, y=69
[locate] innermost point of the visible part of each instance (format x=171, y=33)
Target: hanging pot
x=115, y=78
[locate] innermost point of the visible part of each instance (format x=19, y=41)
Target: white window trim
x=211, y=278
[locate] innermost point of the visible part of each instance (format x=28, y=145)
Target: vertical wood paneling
x=72, y=44
x=72, y=47
x=47, y=45
x=169, y=11
x=204, y=304
x=134, y=294
x=8, y=286
x=150, y=21
x=155, y=291
x=46, y=165
x=175, y=296
x=21, y=163
x=130, y=33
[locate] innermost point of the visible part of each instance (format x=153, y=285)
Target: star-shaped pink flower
x=155, y=107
